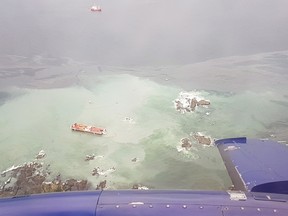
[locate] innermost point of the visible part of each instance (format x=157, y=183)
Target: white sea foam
x=129, y=120
x=10, y=169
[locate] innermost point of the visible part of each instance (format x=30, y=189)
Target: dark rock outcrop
x=31, y=178
x=186, y=143
x=101, y=185
x=202, y=139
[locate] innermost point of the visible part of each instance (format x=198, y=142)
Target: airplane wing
x=256, y=165
x=143, y=203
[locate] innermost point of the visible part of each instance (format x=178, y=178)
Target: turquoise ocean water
x=248, y=97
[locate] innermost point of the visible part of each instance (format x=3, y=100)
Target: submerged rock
x=89, y=157
x=203, y=103
x=96, y=171
x=139, y=187
x=129, y=120
x=11, y=169
x=101, y=185
x=186, y=143
x=41, y=154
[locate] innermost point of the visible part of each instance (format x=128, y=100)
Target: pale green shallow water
x=39, y=119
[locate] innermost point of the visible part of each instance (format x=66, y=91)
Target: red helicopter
x=96, y=8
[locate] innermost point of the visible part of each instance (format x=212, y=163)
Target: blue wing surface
x=256, y=165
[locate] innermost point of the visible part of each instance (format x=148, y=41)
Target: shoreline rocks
x=57, y=185
x=101, y=185
x=33, y=178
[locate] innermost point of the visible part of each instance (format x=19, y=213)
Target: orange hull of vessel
x=88, y=129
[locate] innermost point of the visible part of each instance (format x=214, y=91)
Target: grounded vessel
x=88, y=129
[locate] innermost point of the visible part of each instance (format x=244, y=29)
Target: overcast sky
x=143, y=32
